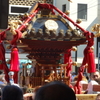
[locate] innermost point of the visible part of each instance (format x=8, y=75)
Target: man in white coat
x=94, y=81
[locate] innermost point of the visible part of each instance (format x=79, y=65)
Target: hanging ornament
x=67, y=12
x=78, y=21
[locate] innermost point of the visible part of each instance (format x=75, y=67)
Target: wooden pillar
x=42, y=72
x=55, y=72
x=64, y=71
x=38, y=71
x=23, y=77
x=61, y=71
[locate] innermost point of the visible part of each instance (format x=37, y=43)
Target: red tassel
x=14, y=66
x=91, y=61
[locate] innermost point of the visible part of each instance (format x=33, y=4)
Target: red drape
x=3, y=65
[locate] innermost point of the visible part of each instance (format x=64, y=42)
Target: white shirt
x=11, y=81
x=90, y=87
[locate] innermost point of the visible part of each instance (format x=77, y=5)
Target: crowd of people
x=55, y=90
x=92, y=79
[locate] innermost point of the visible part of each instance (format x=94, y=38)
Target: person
x=55, y=90
x=2, y=82
x=94, y=81
x=33, y=68
x=12, y=92
x=24, y=89
x=98, y=97
x=73, y=76
x=26, y=95
x=11, y=80
x=32, y=94
x=0, y=93
x=97, y=76
x=86, y=75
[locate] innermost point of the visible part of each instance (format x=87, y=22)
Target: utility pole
x=76, y=60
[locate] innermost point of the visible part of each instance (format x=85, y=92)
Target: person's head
x=96, y=75
x=24, y=90
x=11, y=74
x=55, y=91
x=98, y=97
x=12, y=92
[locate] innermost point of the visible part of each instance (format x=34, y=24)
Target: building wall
x=59, y=3
x=98, y=11
x=24, y=3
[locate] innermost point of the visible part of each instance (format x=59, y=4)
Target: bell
x=74, y=63
x=74, y=48
x=70, y=1
x=67, y=12
x=78, y=21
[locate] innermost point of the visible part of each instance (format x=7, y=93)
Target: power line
x=87, y=8
x=86, y=3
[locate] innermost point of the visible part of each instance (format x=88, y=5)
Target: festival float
x=46, y=35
